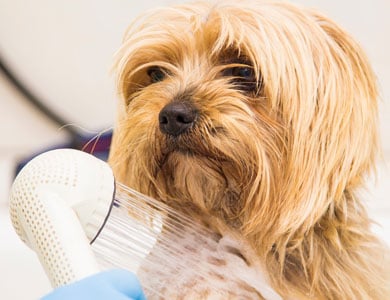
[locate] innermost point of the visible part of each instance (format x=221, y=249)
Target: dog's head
x=261, y=114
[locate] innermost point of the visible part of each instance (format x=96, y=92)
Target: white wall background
x=63, y=51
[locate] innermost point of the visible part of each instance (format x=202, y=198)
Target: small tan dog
x=263, y=116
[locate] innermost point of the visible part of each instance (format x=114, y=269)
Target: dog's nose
x=176, y=117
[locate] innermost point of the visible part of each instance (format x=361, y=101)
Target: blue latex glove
x=108, y=285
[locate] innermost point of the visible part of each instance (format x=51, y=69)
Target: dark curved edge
x=107, y=216
x=34, y=100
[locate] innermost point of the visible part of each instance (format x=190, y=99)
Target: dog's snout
x=176, y=117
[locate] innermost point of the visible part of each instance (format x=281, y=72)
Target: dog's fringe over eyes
x=284, y=135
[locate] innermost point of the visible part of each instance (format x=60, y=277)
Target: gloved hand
x=108, y=285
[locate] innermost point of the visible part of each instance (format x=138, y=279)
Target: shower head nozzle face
x=58, y=203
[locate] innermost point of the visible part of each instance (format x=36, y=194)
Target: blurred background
x=62, y=51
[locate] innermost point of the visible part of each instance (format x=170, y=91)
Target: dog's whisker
x=78, y=126
x=95, y=140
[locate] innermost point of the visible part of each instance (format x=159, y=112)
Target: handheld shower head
x=58, y=203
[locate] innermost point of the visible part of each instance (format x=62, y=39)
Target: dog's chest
x=197, y=264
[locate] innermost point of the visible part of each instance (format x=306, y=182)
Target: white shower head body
x=59, y=202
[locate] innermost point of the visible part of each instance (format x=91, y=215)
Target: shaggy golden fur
x=284, y=136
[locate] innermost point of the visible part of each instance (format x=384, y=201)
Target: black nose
x=176, y=117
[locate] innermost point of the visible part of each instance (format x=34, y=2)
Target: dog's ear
x=358, y=96
x=331, y=131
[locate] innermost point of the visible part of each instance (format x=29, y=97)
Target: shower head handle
x=58, y=203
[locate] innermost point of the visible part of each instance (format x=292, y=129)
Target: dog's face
x=260, y=114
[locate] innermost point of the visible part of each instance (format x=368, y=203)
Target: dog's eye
x=240, y=72
x=156, y=74
x=244, y=77
x=243, y=72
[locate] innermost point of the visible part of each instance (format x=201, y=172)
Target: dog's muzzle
x=177, y=117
